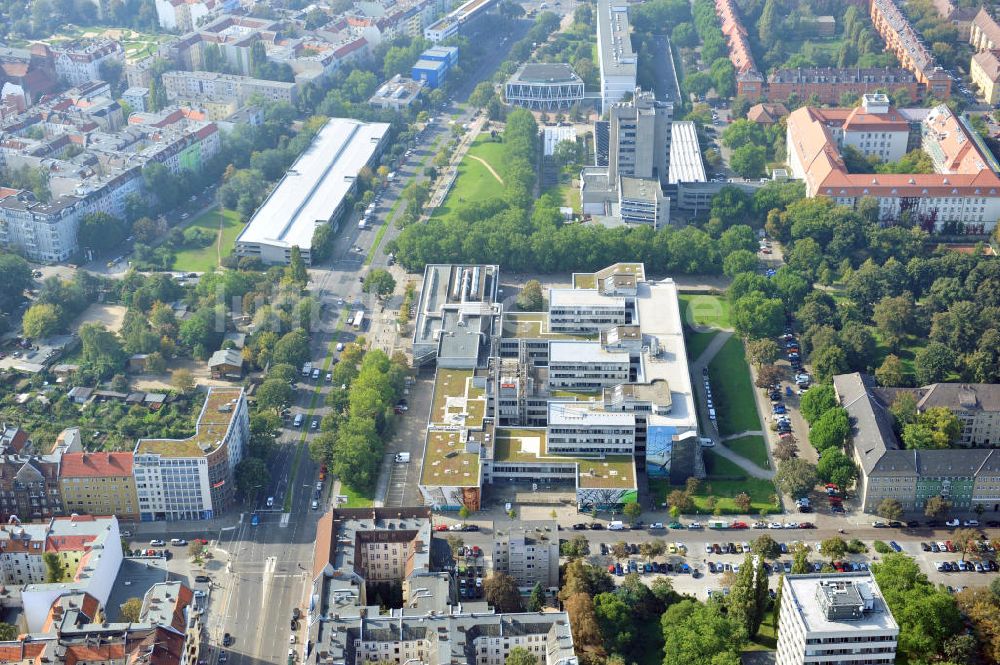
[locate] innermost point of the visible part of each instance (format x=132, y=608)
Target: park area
x=703, y=316
x=733, y=390
x=478, y=177
x=224, y=226
x=724, y=482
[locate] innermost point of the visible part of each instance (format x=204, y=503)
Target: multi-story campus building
x=828, y=85
x=544, y=87
x=184, y=479
x=835, y=618
x=905, y=42
x=528, y=552
x=617, y=59
x=458, y=21
x=359, y=551
x=966, y=475
x=314, y=191
x=582, y=396
x=964, y=188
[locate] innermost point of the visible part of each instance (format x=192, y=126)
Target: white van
x=616, y=526
x=270, y=502
x=402, y=458
x=298, y=420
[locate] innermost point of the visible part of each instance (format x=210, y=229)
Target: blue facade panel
x=431, y=72
x=659, y=444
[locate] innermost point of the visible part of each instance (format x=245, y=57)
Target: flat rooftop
x=589, y=280
x=614, y=41
x=538, y=72
x=447, y=462
x=534, y=325
x=470, y=289
x=685, y=154
x=584, y=297
x=528, y=446
x=457, y=402
x=315, y=185
x=566, y=351
x=576, y=414
x=210, y=431
x=803, y=590
x=639, y=189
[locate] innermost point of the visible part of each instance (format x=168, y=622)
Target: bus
x=359, y=319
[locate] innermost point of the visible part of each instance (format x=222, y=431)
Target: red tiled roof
x=95, y=465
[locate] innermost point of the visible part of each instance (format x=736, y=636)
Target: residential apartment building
x=960, y=17
x=835, y=617
x=29, y=487
x=184, y=15
x=198, y=87
x=22, y=547
x=617, y=59
x=344, y=626
x=984, y=70
x=829, y=85
x=79, y=62
x=902, y=39
x=963, y=475
x=964, y=188
x=584, y=395
x=99, y=483
x=41, y=231
x=749, y=81
x=529, y=552
x=183, y=479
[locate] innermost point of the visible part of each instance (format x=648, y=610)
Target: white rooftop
x=685, y=154
x=803, y=593
x=572, y=351
x=577, y=414
x=315, y=185
x=588, y=297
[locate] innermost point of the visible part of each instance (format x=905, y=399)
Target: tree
x=890, y=373
x=795, y=477
x=894, y=318
x=182, y=380
x=130, y=610
x=101, y=232
x=933, y=363
x=530, y=299
x=937, y=506
x=830, y=430
x=15, y=277
x=768, y=375
x=501, y=592
x=835, y=548
x=766, y=547
x=631, y=510
x=681, y=499
x=837, y=468
x=800, y=559
x=741, y=260
x=195, y=549
x=380, y=282
x=748, y=597
x=537, y=599
x=8, y=633
x=520, y=656
x=580, y=608
x=53, y=567
x=817, y=401
x=966, y=540
x=41, y=320
x=297, y=266
x=464, y=512
x=762, y=351
x=748, y=160
x=757, y=316
x=274, y=394
x=699, y=633
x=102, y=351
x=742, y=501
x=785, y=449
x=944, y=425
x=292, y=348
x=890, y=509
x=615, y=619
x=251, y=475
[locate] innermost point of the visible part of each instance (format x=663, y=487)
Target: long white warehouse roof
x=315, y=185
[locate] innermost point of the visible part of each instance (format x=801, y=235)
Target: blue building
x=431, y=72
x=447, y=54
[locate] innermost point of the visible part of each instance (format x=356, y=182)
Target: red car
x=739, y=525
x=441, y=527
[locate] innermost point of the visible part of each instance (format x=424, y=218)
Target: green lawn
x=705, y=311
x=475, y=182
x=354, y=498
x=203, y=259
x=732, y=389
x=767, y=636
x=753, y=447
x=697, y=343
x=725, y=480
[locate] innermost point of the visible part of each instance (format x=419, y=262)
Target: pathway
x=488, y=167
x=740, y=435
x=699, y=388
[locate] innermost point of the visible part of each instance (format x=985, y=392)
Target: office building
x=397, y=93
x=964, y=187
x=313, y=191
x=460, y=20
x=835, y=618
x=830, y=85
x=642, y=201
x=584, y=395
x=430, y=73
x=359, y=550
x=686, y=179
x=528, y=552
x=99, y=483
x=906, y=43
x=749, y=82
x=640, y=137
x=965, y=475
x=192, y=478
x=544, y=87
x=617, y=59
